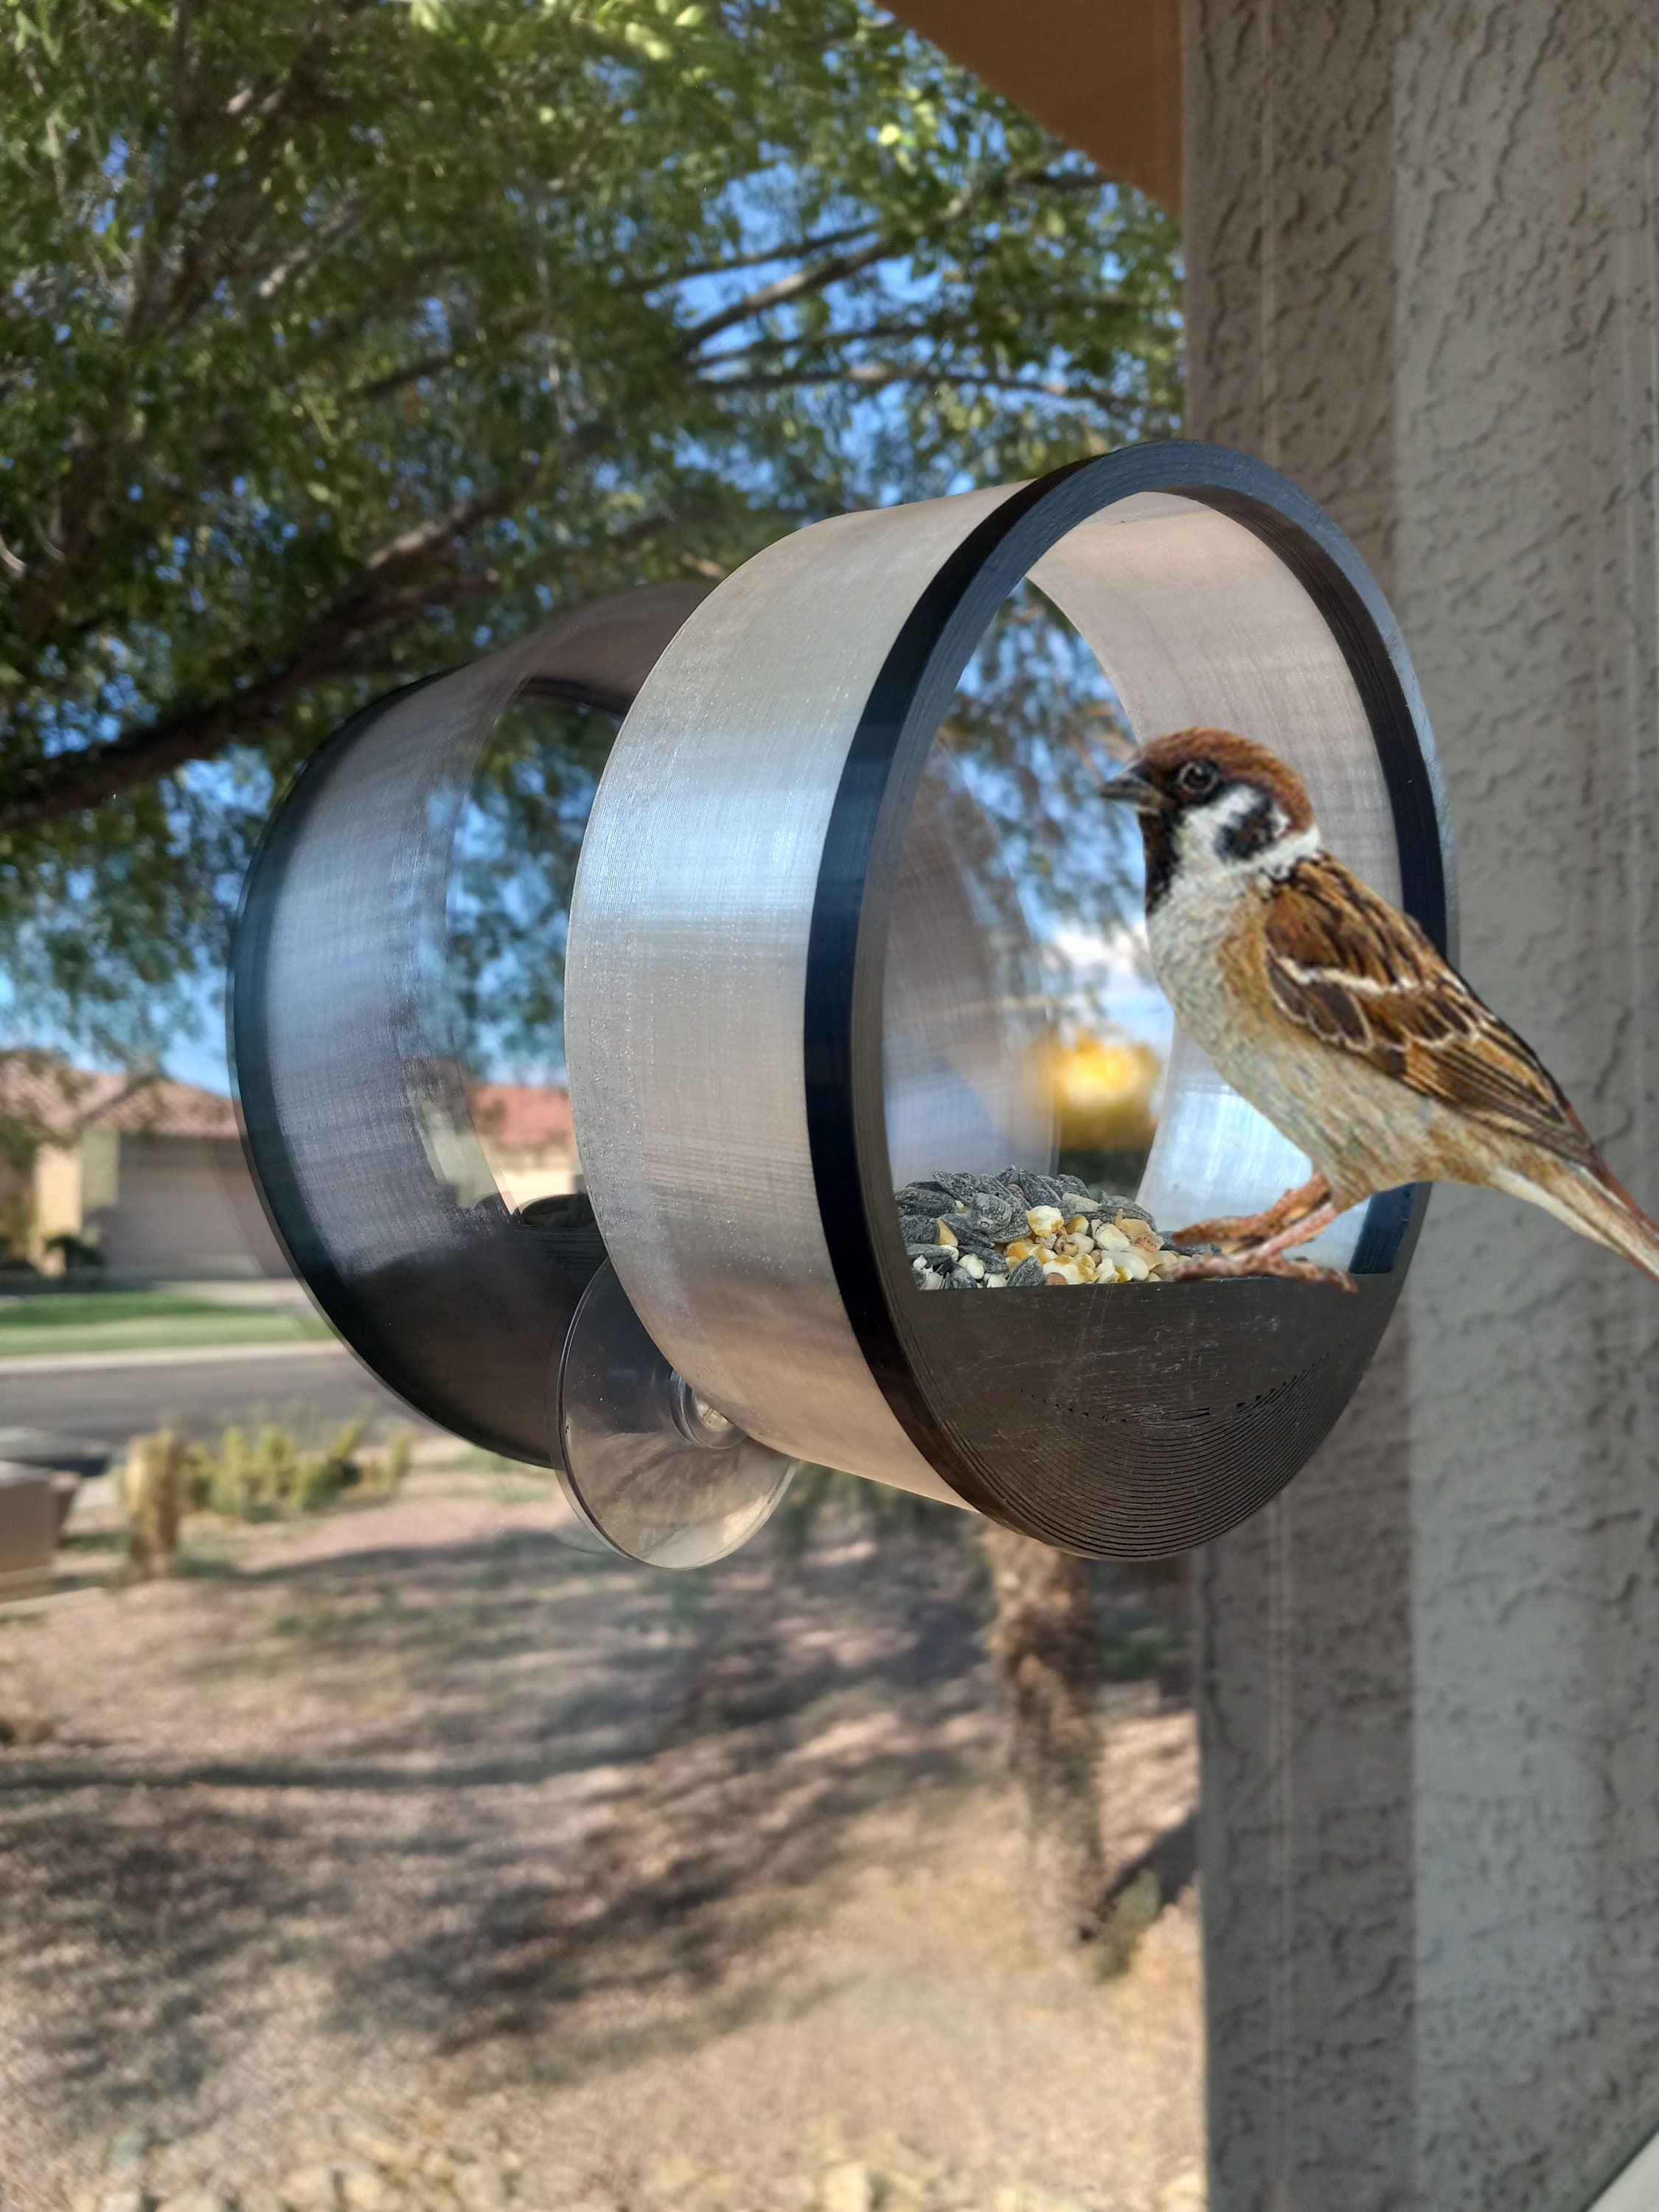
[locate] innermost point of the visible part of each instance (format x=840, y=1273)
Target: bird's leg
x=1267, y=1256
x=1245, y=1230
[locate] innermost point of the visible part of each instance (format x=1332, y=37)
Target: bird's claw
x=1221, y=1267
x=1228, y=1230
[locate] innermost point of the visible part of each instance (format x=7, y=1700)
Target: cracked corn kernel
x=1062, y=1271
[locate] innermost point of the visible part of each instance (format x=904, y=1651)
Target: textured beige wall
x=1423, y=257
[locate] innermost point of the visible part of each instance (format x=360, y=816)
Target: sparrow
x=1333, y=1013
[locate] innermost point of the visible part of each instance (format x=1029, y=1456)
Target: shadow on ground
x=412, y=1817
x=466, y=1789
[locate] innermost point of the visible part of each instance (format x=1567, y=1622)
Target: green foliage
x=77, y=1256
x=341, y=339
x=513, y=871
x=268, y=1475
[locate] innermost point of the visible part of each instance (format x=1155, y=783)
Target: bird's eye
x=1197, y=779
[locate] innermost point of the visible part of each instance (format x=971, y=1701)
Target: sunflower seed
x=993, y=1207
x=959, y=1186
x=971, y=1239
x=919, y=1198
x=1114, y=1207
x=1044, y=1190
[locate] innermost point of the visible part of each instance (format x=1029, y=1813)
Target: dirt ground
x=407, y=1858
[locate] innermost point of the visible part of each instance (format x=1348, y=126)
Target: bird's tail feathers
x=1594, y=1203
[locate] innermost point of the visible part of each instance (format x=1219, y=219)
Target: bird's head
x=1216, y=806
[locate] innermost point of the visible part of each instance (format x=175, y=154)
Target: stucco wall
x=1423, y=279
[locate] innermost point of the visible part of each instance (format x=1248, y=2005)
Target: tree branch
x=874, y=377
x=760, y=259
x=835, y=270
x=382, y=387
x=903, y=333
x=839, y=267
x=394, y=579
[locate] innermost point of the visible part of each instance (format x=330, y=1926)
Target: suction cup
x=648, y=1462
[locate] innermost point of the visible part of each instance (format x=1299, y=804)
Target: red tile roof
x=50, y=1099
x=522, y=1117
x=53, y=1099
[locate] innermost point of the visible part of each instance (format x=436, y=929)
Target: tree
x=1046, y=1650
x=340, y=339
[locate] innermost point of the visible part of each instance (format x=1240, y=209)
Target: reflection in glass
x=1023, y=1025
x=513, y=866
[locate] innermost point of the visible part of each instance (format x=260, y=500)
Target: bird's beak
x=1132, y=789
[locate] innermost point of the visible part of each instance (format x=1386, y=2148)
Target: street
x=108, y=1398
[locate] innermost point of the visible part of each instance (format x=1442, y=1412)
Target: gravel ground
x=406, y=1858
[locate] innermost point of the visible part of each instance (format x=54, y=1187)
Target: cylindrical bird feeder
x=800, y=973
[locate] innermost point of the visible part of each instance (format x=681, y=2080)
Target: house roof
x=56, y=1101
x=522, y=1116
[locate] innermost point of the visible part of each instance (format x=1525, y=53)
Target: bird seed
x=1021, y=1230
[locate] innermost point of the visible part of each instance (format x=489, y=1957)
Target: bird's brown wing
x=1360, y=974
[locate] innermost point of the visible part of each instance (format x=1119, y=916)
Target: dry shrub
x=153, y=1494
x=269, y=1476
x=266, y=1476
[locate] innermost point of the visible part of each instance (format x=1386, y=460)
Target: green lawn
x=141, y=1321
